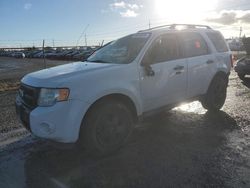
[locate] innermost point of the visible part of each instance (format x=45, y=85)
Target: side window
x=218, y=41
x=164, y=48
x=193, y=45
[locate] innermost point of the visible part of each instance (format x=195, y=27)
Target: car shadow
x=170, y=149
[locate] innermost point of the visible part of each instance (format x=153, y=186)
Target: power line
x=84, y=30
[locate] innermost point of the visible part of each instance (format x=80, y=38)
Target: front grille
x=29, y=96
x=24, y=116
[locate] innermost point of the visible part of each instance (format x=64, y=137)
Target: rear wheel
x=216, y=94
x=106, y=127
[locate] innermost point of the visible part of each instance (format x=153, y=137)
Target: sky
x=26, y=23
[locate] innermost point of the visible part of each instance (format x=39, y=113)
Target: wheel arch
x=87, y=136
x=126, y=100
x=219, y=74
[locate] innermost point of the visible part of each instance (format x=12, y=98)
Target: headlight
x=49, y=97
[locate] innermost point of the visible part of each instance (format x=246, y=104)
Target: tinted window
x=218, y=41
x=193, y=45
x=165, y=48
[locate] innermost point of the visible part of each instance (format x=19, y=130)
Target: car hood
x=52, y=77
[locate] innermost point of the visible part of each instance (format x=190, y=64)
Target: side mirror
x=149, y=59
x=146, y=63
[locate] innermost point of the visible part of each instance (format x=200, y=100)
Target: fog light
x=48, y=128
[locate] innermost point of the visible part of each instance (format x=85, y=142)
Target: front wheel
x=215, y=97
x=106, y=127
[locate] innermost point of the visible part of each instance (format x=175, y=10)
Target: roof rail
x=174, y=26
x=190, y=26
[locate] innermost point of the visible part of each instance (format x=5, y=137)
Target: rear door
x=201, y=64
x=168, y=84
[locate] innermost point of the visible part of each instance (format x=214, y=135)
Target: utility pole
x=85, y=40
x=240, y=32
x=239, y=41
x=44, y=62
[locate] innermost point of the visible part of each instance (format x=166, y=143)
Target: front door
x=163, y=73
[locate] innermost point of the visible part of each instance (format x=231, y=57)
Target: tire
x=241, y=76
x=106, y=127
x=215, y=97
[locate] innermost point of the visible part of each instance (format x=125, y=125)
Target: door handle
x=210, y=61
x=179, y=67
x=149, y=70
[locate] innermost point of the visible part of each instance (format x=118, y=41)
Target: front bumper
x=23, y=113
x=60, y=123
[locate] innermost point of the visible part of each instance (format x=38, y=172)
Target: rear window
x=193, y=44
x=218, y=41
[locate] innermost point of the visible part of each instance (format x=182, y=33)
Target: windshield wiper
x=98, y=61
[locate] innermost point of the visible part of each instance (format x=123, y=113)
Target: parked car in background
x=242, y=67
x=18, y=55
x=31, y=53
x=80, y=54
x=38, y=54
x=243, y=64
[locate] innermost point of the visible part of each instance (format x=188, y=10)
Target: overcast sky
x=62, y=22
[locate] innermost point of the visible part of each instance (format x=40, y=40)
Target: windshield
x=121, y=51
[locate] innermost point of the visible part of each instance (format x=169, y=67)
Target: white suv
x=97, y=102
